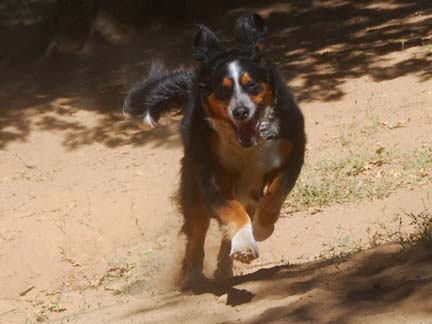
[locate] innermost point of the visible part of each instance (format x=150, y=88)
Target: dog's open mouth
x=246, y=131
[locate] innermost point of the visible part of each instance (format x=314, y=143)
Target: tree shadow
x=383, y=281
x=328, y=44
x=318, y=44
x=371, y=283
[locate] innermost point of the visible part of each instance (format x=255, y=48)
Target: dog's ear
x=250, y=34
x=206, y=45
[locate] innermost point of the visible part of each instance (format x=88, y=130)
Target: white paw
x=243, y=245
x=261, y=233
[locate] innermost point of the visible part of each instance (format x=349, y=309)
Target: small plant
x=345, y=139
x=387, y=233
x=421, y=233
x=56, y=306
x=121, y=269
x=372, y=125
x=343, y=247
x=422, y=223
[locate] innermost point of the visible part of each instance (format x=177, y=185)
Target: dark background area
x=92, y=52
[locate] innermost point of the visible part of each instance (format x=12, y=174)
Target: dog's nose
x=241, y=113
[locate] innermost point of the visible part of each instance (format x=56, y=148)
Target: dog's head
x=235, y=83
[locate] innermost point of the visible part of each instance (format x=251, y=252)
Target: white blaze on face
x=239, y=97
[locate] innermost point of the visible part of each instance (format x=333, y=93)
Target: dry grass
x=360, y=176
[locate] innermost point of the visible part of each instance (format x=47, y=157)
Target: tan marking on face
x=245, y=78
x=261, y=46
x=264, y=98
x=217, y=108
x=227, y=82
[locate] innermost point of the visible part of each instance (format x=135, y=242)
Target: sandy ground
x=89, y=234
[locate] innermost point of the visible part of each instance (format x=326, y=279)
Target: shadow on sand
x=377, y=281
x=321, y=44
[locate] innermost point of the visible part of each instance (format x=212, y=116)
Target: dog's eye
x=253, y=87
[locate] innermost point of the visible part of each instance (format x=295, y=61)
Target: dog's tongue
x=246, y=133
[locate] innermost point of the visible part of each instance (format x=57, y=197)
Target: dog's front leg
x=195, y=227
x=280, y=185
x=238, y=228
x=224, y=268
x=269, y=208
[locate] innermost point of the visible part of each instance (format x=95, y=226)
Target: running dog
x=243, y=137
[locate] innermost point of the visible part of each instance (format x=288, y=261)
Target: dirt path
x=88, y=231
x=379, y=286
x=66, y=235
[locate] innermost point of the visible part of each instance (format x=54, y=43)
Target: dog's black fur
x=210, y=189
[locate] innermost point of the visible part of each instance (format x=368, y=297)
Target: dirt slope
x=88, y=231
x=379, y=286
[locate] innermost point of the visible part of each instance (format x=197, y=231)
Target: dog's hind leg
x=195, y=227
x=224, y=268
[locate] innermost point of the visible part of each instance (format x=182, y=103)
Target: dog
x=243, y=137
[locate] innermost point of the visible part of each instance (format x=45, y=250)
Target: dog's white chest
x=252, y=165
x=261, y=158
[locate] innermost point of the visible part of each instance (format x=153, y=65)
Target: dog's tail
x=160, y=92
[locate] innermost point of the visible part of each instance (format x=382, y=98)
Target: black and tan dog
x=243, y=137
